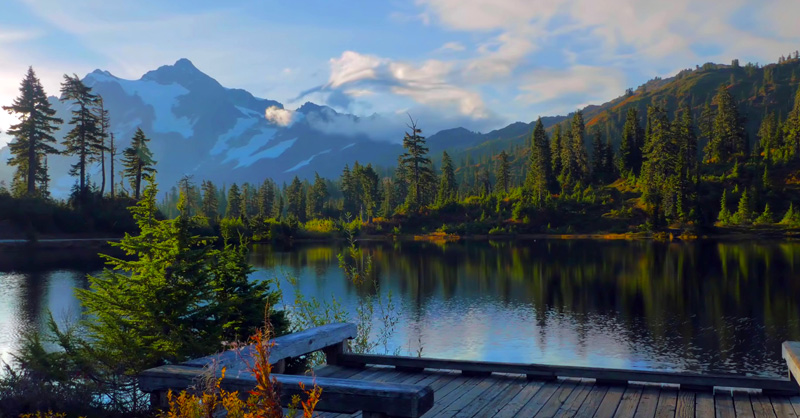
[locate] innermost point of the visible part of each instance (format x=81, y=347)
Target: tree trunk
x=32, y=161
x=112, y=152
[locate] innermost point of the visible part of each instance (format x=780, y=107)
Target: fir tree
x=138, y=161
x=598, y=157
x=234, y=208
x=266, y=199
x=210, y=204
x=539, y=175
x=503, y=172
x=295, y=200
x=724, y=217
x=417, y=166
x=791, y=128
x=765, y=218
x=556, y=151
x=727, y=138
x=658, y=167
x=744, y=213
x=686, y=163
x=82, y=141
x=100, y=147
x=173, y=298
x=33, y=135
x=630, y=147
x=317, y=195
x=448, y=188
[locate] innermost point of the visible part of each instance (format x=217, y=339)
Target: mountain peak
x=183, y=72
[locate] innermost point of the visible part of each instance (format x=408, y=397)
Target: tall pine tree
x=82, y=141
x=448, y=188
x=33, y=135
x=137, y=161
x=539, y=177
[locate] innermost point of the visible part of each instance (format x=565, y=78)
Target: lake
x=703, y=306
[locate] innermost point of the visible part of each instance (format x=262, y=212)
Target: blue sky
x=476, y=63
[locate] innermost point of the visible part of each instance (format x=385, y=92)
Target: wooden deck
x=500, y=395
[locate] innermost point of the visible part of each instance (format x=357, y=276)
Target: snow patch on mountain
x=306, y=162
x=242, y=125
x=161, y=97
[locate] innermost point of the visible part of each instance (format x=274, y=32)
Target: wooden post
x=333, y=352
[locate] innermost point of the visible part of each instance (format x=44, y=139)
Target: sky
x=480, y=64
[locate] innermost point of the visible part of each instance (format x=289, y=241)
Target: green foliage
x=417, y=168
x=503, y=172
x=33, y=135
x=84, y=140
x=728, y=137
x=791, y=217
x=448, y=188
x=744, y=213
x=765, y=218
x=724, y=217
x=539, y=178
x=138, y=162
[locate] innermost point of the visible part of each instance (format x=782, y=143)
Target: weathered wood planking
x=340, y=395
x=286, y=346
x=696, y=380
x=790, y=351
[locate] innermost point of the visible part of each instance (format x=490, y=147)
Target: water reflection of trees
x=723, y=296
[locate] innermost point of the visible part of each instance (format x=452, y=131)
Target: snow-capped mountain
x=202, y=129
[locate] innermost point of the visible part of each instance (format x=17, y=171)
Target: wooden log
x=286, y=346
x=338, y=395
x=769, y=385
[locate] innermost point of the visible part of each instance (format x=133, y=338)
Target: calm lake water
x=705, y=306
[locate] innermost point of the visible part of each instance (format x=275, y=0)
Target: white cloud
x=594, y=84
x=431, y=83
x=278, y=116
x=451, y=46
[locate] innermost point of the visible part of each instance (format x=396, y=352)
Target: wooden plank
x=497, y=388
x=290, y=345
x=573, y=403
x=723, y=405
x=648, y=402
x=504, y=398
x=629, y=402
x=459, y=387
x=474, y=395
x=782, y=407
x=704, y=405
x=592, y=402
x=341, y=395
x=795, y=400
x=742, y=405
x=608, y=407
x=762, y=407
x=685, y=406
x=667, y=403
x=550, y=371
x=527, y=393
x=552, y=405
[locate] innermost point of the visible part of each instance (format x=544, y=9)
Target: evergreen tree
x=724, y=217
x=658, y=166
x=138, y=161
x=417, y=165
x=579, y=147
x=33, y=135
x=448, y=188
x=686, y=163
x=769, y=135
x=503, y=172
x=317, y=195
x=210, y=204
x=598, y=157
x=744, y=213
x=791, y=128
x=556, y=150
x=630, y=147
x=727, y=138
x=234, y=208
x=388, y=203
x=174, y=297
x=766, y=217
x=295, y=200
x=100, y=147
x=539, y=175
x=84, y=138
x=266, y=199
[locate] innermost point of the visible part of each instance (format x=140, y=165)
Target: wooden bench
x=375, y=400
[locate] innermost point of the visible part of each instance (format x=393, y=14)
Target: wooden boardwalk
x=500, y=396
